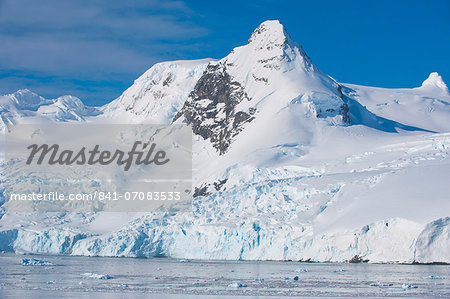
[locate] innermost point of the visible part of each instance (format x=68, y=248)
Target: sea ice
x=35, y=262
x=237, y=285
x=97, y=276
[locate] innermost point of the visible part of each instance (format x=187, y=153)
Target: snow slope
x=426, y=107
x=158, y=94
x=288, y=165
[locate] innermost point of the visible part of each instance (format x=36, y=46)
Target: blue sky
x=94, y=49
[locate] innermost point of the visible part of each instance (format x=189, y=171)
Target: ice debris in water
x=434, y=277
x=408, y=286
x=35, y=262
x=294, y=278
x=237, y=285
x=97, y=276
x=382, y=284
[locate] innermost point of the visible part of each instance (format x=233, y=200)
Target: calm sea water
x=95, y=277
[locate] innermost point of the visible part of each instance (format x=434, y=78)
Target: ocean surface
x=43, y=276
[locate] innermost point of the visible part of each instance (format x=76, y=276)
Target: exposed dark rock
x=265, y=80
x=201, y=191
x=357, y=259
x=211, y=107
x=219, y=184
x=344, y=110
x=209, y=188
x=168, y=80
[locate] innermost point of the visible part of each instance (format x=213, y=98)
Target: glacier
x=289, y=164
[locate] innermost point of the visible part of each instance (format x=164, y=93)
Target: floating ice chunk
x=409, y=286
x=97, y=276
x=434, y=277
x=237, y=285
x=301, y=270
x=294, y=278
x=35, y=262
x=381, y=284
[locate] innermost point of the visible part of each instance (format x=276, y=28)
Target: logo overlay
x=97, y=167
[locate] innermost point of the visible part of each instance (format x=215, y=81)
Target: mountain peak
x=271, y=42
x=28, y=100
x=26, y=92
x=435, y=81
x=271, y=30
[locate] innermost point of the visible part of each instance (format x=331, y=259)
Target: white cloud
x=89, y=39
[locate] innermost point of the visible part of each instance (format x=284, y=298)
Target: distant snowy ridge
x=24, y=106
x=289, y=164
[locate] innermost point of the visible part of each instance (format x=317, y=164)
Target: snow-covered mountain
x=288, y=164
x=241, y=92
x=25, y=106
